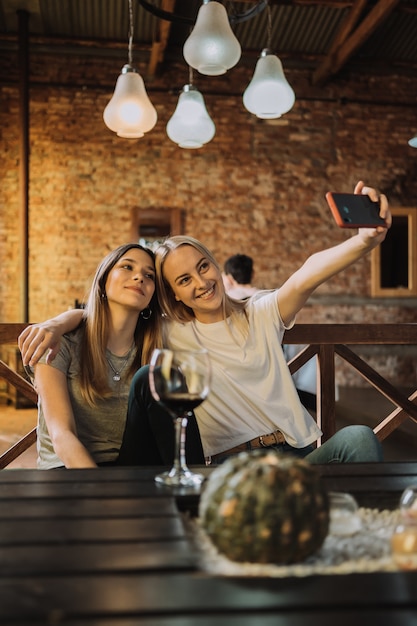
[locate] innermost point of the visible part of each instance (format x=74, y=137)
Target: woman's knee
x=352, y=444
x=358, y=432
x=364, y=444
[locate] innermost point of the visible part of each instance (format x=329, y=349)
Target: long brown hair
x=176, y=310
x=148, y=334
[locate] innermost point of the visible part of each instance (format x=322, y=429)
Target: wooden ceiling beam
x=160, y=42
x=346, y=42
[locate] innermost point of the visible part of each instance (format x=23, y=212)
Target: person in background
x=238, y=276
x=252, y=402
x=83, y=391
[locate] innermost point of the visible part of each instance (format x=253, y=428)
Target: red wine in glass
x=180, y=380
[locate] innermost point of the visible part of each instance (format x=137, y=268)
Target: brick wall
x=257, y=188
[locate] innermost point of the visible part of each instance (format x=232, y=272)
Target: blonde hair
x=176, y=310
x=148, y=333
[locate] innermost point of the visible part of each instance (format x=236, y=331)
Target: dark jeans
x=149, y=437
x=309, y=400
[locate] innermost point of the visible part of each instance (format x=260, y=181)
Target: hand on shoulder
x=36, y=340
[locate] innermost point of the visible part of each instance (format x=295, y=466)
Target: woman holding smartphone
x=253, y=401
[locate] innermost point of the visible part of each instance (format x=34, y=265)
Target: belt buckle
x=261, y=441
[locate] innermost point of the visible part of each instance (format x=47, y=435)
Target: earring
x=146, y=313
x=103, y=296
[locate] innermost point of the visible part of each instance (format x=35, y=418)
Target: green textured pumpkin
x=265, y=507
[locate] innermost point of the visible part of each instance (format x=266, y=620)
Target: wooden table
x=107, y=547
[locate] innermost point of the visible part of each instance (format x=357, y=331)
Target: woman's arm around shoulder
x=37, y=339
x=321, y=266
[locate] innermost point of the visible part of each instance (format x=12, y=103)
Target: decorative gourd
x=265, y=507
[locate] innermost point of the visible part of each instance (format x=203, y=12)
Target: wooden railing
x=8, y=335
x=323, y=341
x=328, y=340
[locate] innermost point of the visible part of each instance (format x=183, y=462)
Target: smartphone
x=351, y=210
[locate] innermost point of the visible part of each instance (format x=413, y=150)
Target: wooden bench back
x=321, y=341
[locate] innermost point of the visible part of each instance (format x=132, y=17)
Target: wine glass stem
x=180, y=434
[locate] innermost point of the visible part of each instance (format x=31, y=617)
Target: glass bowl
x=408, y=504
x=344, y=514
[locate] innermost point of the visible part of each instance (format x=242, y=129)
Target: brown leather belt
x=263, y=441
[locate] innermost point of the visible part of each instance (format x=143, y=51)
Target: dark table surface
x=108, y=547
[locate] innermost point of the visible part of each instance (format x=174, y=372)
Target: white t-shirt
x=252, y=391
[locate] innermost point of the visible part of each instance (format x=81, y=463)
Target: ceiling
x=326, y=36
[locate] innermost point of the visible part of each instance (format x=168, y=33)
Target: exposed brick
x=258, y=187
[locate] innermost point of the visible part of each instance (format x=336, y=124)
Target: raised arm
x=37, y=339
x=323, y=265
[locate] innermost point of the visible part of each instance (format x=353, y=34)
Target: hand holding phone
x=352, y=210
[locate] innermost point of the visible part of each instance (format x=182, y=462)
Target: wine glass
x=180, y=380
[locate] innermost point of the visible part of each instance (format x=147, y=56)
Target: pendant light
x=413, y=142
x=268, y=95
x=190, y=126
x=130, y=113
x=212, y=47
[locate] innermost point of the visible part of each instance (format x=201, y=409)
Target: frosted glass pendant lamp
x=268, y=95
x=212, y=47
x=190, y=126
x=130, y=113
x=413, y=142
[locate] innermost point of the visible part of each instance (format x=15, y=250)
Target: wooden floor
x=355, y=406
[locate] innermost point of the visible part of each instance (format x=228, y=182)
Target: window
x=394, y=262
x=152, y=225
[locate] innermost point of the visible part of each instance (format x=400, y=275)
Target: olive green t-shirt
x=99, y=428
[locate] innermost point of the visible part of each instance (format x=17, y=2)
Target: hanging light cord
x=130, y=56
x=172, y=17
x=269, y=16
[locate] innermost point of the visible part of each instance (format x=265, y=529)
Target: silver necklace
x=117, y=372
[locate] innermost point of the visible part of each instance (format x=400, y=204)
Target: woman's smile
x=206, y=295
x=136, y=288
